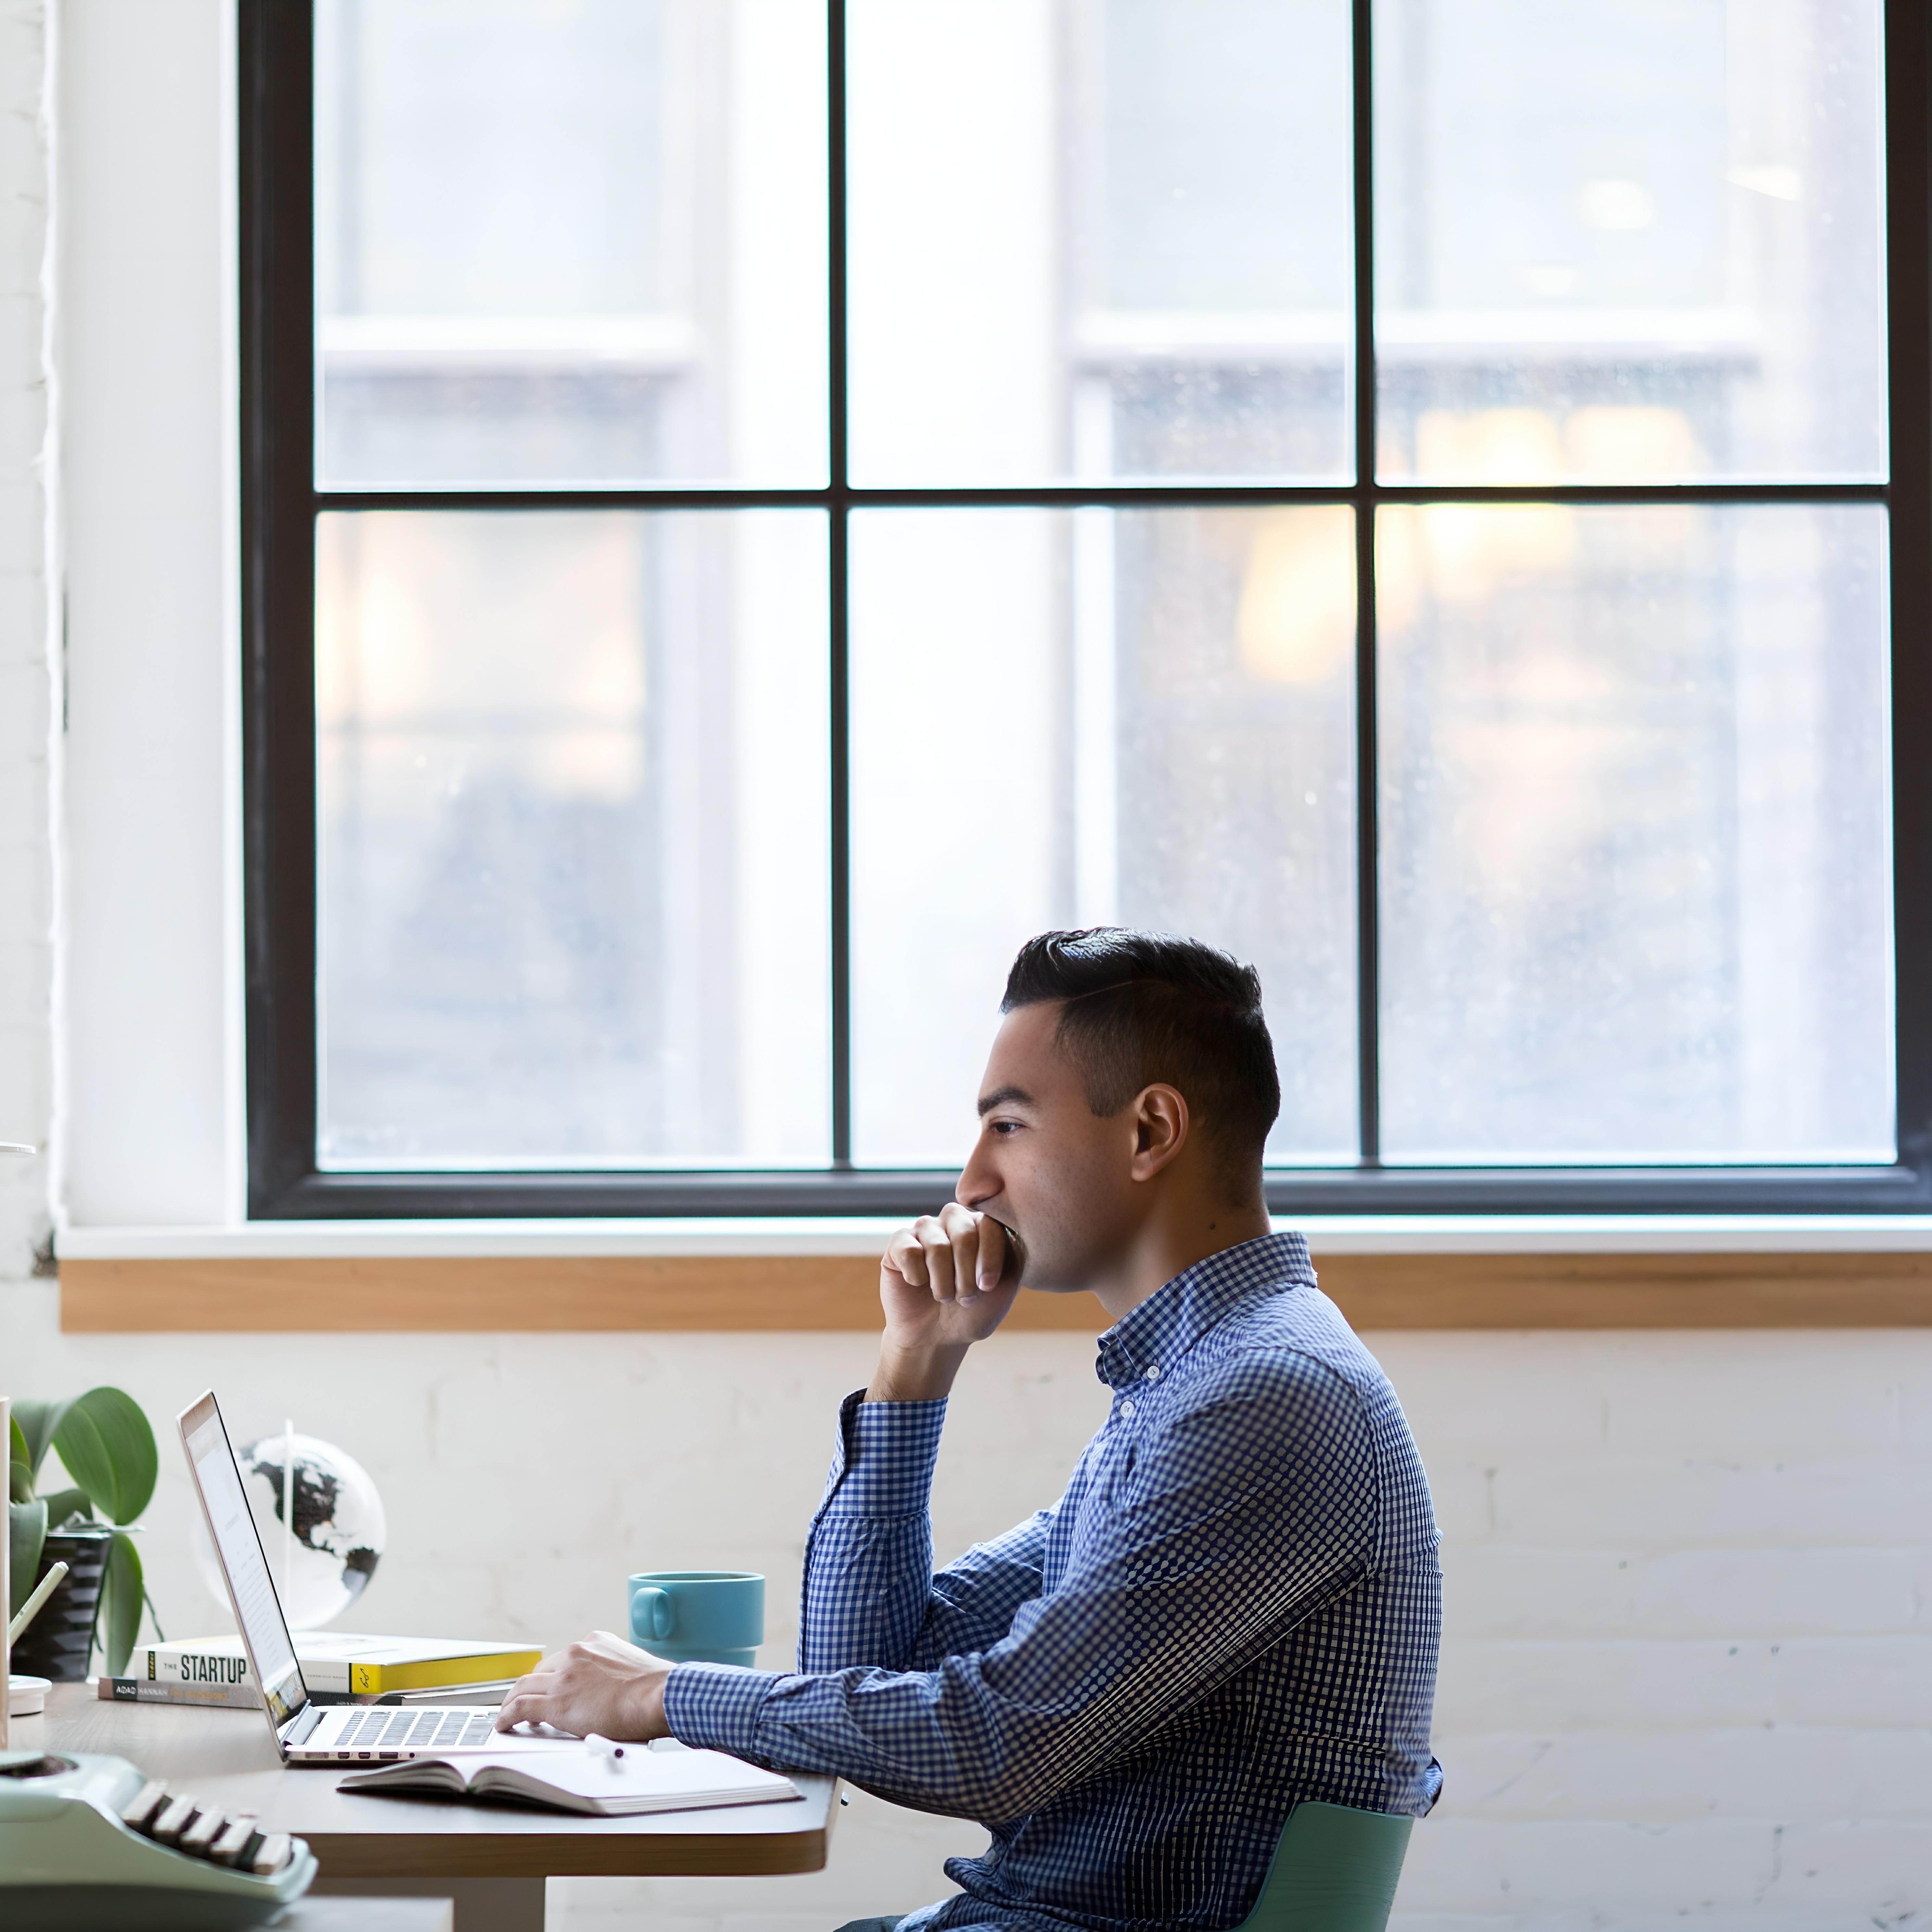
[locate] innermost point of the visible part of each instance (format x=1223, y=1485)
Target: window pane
x=1070, y=717
x=1629, y=240
x=1105, y=238
x=573, y=865
x=1636, y=882
x=571, y=243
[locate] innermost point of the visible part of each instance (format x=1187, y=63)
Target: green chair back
x=1335, y=1870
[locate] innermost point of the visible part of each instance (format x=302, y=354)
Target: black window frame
x=280, y=502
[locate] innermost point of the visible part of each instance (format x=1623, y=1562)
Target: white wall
x=145, y=249
x=1688, y=1673
x=26, y=874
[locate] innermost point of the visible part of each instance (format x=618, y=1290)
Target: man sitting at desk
x=1234, y=1606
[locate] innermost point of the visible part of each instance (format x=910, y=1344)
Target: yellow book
x=426, y=1673
x=339, y=1662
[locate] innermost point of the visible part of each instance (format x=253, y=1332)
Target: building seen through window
x=1632, y=872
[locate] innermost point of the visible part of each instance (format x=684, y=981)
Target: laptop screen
x=232, y=1524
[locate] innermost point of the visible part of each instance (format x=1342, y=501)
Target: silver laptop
x=306, y=1732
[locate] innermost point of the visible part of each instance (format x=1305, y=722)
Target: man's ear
x=1160, y=1129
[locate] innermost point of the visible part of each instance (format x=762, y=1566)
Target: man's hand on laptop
x=601, y=1684
x=945, y=1283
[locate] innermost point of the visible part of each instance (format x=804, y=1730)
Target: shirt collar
x=1164, y=1328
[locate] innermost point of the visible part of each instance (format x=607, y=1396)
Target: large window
x=755, y=507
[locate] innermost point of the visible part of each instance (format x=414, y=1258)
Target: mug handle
x=652, y=1614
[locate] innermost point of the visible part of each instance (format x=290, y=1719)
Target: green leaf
x=64, y=1504
x=19, y=1466
x=118, y=1620
x=37, y=1422
x=26, y=1533
x=109, y=1450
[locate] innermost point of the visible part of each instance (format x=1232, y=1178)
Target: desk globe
x=339, y=1528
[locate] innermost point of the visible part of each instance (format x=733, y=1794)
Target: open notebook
x=573, y=1778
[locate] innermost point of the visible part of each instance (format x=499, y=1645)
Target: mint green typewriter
x=89, y=1844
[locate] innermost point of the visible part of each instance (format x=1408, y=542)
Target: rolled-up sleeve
x=868, y=1555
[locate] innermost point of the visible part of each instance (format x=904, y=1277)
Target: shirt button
x=1153, y=1372
x=1127, y=1407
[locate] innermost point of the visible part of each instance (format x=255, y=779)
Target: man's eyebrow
x=1004, y=1096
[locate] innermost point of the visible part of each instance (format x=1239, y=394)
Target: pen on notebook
x=603, y=1747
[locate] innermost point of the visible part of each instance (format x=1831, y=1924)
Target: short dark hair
x=1141, y=1007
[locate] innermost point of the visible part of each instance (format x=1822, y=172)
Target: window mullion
x=838, y=601
x=1367, y=977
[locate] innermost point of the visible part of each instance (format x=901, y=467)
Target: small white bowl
x=27, y=1696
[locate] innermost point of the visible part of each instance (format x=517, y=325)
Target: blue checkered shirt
x=1235, y=1606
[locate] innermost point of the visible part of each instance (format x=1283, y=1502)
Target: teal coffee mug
x=698, y=1616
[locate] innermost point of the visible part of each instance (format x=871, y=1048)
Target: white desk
x=491, y=1859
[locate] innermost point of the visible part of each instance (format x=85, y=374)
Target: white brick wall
x=1687, y=1679
x=1689, y=1621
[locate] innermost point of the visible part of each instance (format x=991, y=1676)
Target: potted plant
x=108, y=1451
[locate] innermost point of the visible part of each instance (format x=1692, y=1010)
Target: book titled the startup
x=214, y=1670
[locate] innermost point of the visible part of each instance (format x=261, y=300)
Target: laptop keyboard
x=387, y=1730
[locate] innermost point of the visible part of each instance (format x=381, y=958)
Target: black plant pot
x=57, y=1643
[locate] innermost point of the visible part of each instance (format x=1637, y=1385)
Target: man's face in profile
x=1054, y=1171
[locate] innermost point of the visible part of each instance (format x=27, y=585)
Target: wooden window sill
x=500, y=1293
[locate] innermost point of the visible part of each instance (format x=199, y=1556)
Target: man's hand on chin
x=945, y=1283
x=601, y=1684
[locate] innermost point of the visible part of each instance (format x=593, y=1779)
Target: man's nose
x=977, y=1182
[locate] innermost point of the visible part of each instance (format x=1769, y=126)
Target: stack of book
x=215, y=1670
